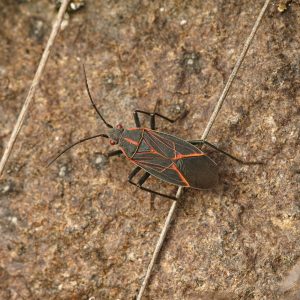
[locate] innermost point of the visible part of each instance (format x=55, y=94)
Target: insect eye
x=119, y=126
x=112, y=142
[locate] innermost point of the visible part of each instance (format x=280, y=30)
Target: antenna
x=92, y=101
x=76, y=143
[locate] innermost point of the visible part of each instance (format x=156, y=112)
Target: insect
x=164, y=156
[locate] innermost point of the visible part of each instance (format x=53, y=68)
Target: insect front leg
x=201, y=142
x=114, y=153
x=142, y=180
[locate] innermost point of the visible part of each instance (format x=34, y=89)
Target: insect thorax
x=130, y=141
x=115, y=134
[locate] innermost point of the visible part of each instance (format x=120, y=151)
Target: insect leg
x=136, y=119
x=201, y=142
x=114, y=153
x=156, y=193
x=133, y=173
x=142, y=180
x=152, y=118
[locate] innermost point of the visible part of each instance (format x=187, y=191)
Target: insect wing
x=158, y=153
x=160, y=167
x=168, y=145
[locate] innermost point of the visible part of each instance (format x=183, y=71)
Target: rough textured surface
x=77, y=230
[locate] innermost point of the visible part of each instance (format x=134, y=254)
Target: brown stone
x=77, y=230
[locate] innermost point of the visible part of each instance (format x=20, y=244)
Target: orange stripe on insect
x=180, y=175
x=132, y=129
x=130, y=141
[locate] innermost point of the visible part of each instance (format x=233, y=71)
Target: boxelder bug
x=161, y=155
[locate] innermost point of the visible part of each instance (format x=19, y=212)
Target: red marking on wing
x=179, y=156
x=167, y=167
x=153, y=138
x=180, y=175
x=151, y=149
x=170, y=144
x=131, y=141
x=157, y=153
x=164, y=172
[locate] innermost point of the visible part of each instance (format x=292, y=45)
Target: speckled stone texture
x=78, y=230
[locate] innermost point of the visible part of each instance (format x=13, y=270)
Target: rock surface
x=77, y=230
